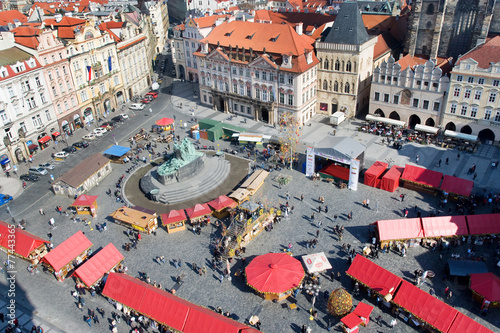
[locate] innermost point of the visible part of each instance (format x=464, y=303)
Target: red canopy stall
x=26, y=246
x=86, y=204
x=274, y=275
x=457, y=186
x=92, y=271
x=67, y=255
x=372, y=175
x=464, y=324
x=390, y=181
x=444, y=226
x=399, y=229
x=174, y=221
x=425, y=307
x=335, y=171
x=421, y=179
x=373, y=276
x=351, y=323
x=220, y=205
x=484, y=224
x=486, y=287
x=165, y=123
x=198, y=212
x=363, y=311
x=204, y=320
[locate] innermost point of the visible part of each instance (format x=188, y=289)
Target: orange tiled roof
x=66, y=21
x=307, y=19
x=410, y=62
x=26, y=36
x=11, y=73
x=132, y=43
x=385, y=43
x=208, y=21
x=107, y=26
x=8, y=16
x=484, y=54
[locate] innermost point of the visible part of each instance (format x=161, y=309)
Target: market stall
x=464, y=324
x=401, y=230
x=464, y=268
x=250, y=138
x=373, y=175
x=143, y=221
x=67, y=255
x=27, y=246
x=117, y=154
x=220, y=206
x=274, y=275
x=363, y=311
x=484, y=224
x=240, y=195
x=457, y=187
x=255, y=181
x=486, y=288
x=86, y=204
x=198, y=213
x=174, y=221
x=93, y=270
x=351, y=323
x=444, y=226
x=421, y=179
x=166, y=124
x=316, y=262
x=390, y=181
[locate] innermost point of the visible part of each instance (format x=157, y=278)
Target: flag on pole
x=89, y=70
x=109, y=63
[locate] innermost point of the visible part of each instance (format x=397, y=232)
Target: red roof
x=374, y=172
x=373, y=276
x=400, y=229
x=66, y=21
x=173, y=216
x=363, y=310
x=483, y=224
x=390, y=181
x=487, y=285
x=465, y=324
x=274, y=273
x=484, y=54
x=137, y=41
x=25, y=242
x=85, y=200
x=198, y=210
x=164, y=121
x=9, y=16
x=100, y=263
x=457, y=185
x=351, y=320
x=222, y=202
x=67, y=251
x=204, y=320
x=430, y=309
x=444, y=226
x=422, y=176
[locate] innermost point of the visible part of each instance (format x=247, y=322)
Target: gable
x=263, y=63
x=217, y=55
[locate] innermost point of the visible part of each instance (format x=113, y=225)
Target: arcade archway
x=414, y=120
x=466, y=129
x=394, y=115
x=380, y=113
x=486, y=135
x=430, y=122
x=451, y=126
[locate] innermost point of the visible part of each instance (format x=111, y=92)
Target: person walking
x=378, y=319
x=447, y=161
x=317, y=233
x=349, y=216
x=368, y=203
x=475, y=176
x=301, y=197
x=96, y=319
x=41, y=211
x=326, y=209
x=88, y=320
x=458, y=156
x=402, y=197
x=221, y=277
x=393, y=323
x=439, y=163
x=417, y=159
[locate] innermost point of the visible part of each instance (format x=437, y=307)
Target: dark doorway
x=265, y=115
x=414, y=120
x=220, y=104
x=450, y=126
x=380, y=113
x=486, y=135
x=466, y=130
x=394, y=115
x=334, y=108
x=430, y=122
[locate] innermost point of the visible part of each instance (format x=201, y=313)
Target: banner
x=354, y=175
x=89, y=71
x=110, y=63
x=310, y=162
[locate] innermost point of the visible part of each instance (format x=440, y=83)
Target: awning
x=56, y=134
x=33, y=146
x=457, y=185
x=164, y=121
x=390, y=181
x=198, y=210
x=67, y=251
x=400, y=229
x=430, y=309
x=100, y=263
x=5, y=161
x=446, y=226
x=487, y=285
x=84, y=200
x=25, y=242
x=173, y=216
x=222, y=202
x=373, y=276
x=465, y=324
x=363, y=310
x=422, y=176
x=386, y=120
x=116, y=150
x=45, y=139
x=483, y=224
x=204, y=320
x=466, y=267
x=428, y=129
x=316, y=262
x=462, y=136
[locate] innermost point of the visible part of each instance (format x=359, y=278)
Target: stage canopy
x=198, y=210
x=25, y=242
x=274, y=273
x=486, y=285
x=67, y=251
x=422, y=176
x=373, y=276
x=164, y=121
x=483, y=224
x=464, y=324
x=466, y=267
x=173, y=216
x=316, y=262
x=84, y=200
x=457, y=185
x=400, y=229
x=339, y=148
x=374, y=172
x=222, y=202
x=116, y=150
x=99, y=264
x=439, y=226
x=430, y=309
x=390, y=181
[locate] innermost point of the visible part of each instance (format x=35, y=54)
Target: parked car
x=37, y=171
x=145, y=100
x=4, y=198
x=137, y=106
x=70, y=149
x=153, y=94
x=108, y=125
x=125, y=116
x=28, y=177
x=46, y=166
x=99, y=131
x=81, y=144
x=61, y=154
x=118, y=118
x=89, y=136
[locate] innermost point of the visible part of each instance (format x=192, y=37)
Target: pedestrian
x=339, y=275
x=81, y=300
x=101, y=311
x=41, y=211
x=301, y=197
x=335, y=217
x=417, y=158
x=50, y=236
x=439, y=163
x=75, y=295
x=349, y=216
x=319, y=209
x=176, y=264
x=221, y=277
x=458, y=156
x=393, y=323
x=319, y=224
x=449, y=294
x=402, y=196
x=312, y=216
x=475, y=176
x=258, y=324
x=287, y=196
x=447, y=161
x=368, y=203
x=378, y=319
x=88, y=320
x=96, y=319
x=317, y=233
x=364, y=203
x=326, y=209
x=179, y=261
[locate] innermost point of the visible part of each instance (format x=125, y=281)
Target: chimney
x=58, y=17
x=298, y=28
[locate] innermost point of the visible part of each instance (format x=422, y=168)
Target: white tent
x=316, y=262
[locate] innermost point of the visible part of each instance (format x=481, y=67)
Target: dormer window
x=19, y=67
x=4, y=72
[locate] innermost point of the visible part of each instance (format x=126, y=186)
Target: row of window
x=471, y=79
x=25, y=86
x=37, y=122
x=58, y=74
x=346, y=88
x=419, y=83
x=477, y=94
x=472, y=112
x=338, y=65
x=415, y=102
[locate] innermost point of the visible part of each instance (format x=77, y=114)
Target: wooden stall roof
x=239, y=194
x=132, y=216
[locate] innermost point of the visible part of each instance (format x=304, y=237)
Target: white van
x=137, y=106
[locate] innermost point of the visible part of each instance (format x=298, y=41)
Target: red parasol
x=164, y=121
x=274, y=273
x=222, y=202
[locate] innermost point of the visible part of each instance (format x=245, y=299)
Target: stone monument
x=184, y=163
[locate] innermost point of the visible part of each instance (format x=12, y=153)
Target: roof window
x=275, y=38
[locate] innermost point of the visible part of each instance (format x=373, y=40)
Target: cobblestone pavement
x=41, y=298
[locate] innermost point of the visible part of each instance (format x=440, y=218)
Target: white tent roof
x=339, y=147
x=460, y=135
x=428, y=129
x=385, y=120
x=316, y=262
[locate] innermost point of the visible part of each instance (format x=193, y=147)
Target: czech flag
x=89, y=70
